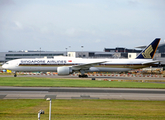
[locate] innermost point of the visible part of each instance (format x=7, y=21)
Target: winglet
x=150, y=50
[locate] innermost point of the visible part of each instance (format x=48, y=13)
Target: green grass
x=83, y=109
x=56, y=82
x=80, y=109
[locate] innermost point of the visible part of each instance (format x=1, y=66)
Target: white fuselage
x=51, y=65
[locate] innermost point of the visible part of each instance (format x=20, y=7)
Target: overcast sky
x=95, y=24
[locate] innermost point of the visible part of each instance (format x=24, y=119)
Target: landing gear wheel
x=83, y=76
x=15, y=75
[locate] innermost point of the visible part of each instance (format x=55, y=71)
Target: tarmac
x=85, y=93
x=81, y=93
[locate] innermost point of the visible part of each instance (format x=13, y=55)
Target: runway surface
x=81, y=93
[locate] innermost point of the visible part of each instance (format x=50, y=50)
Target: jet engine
x=64, y=70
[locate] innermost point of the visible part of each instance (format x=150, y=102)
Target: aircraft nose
x=4, y=66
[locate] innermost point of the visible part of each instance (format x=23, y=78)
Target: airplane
x=68, y=65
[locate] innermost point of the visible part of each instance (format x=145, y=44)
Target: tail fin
x=149, y=51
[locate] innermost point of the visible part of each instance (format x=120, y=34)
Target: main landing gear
x=83, y=76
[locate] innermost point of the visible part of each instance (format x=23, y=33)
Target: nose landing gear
x=15, y=74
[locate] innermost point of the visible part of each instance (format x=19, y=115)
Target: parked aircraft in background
x=68, y=65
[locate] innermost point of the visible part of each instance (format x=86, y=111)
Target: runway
x=81, y=93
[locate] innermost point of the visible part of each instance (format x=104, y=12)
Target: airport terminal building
x=11, y=55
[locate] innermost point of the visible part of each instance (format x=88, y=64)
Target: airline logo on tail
x=150, y=50
x=147, y=52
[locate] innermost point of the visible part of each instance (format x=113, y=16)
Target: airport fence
x=100, y=75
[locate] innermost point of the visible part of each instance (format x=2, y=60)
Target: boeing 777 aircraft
x=68, y=65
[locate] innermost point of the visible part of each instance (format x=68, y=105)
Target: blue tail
x=149, y=51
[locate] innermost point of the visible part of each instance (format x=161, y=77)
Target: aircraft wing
x=151, y=62
x=87, y=66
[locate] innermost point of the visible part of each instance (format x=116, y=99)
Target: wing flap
x=87, y=66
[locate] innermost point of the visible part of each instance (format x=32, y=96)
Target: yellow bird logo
x=147, y=52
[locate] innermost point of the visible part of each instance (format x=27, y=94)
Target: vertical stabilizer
x=149, y=51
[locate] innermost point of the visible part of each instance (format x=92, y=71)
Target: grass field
x=83, y=109
x=56, y=82
x=79, y=109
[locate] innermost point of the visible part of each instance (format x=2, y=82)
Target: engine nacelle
x=64, y=70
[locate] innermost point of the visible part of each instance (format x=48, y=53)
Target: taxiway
x=81, y=93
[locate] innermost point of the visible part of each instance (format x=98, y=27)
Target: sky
x=54, y=25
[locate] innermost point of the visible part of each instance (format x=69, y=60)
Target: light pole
x=82, y=51
x=40, y=52
x=69, y=48
x=49, y=99
x=66, y=51
x=39, y=113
